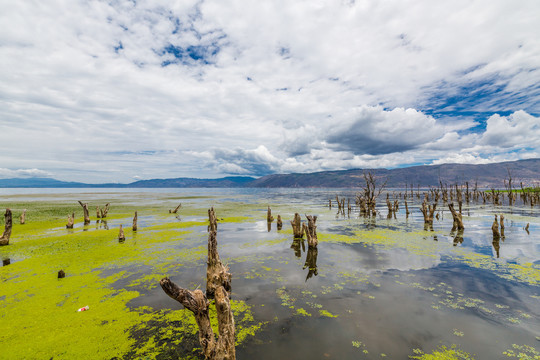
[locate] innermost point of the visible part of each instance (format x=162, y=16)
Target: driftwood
x=311, y=231
x=458, y=219
x=23, y=217
x=4, y=239
x=175, y=209
x=86, y=213
x=296, y=224
x=279, y=222
x=135, y=222
x=71, y=221
x=121, y=236
x=217, y=274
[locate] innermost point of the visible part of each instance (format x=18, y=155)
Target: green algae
x=442, y=353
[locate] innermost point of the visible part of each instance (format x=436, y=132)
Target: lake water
x=373, y=288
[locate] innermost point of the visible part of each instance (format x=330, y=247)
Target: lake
x=373, y=288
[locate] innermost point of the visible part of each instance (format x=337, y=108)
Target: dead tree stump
x=311, y=231
x=105, y=211
x=4, y=239
x=71, y=221
x=527, y=228
x=279, y=222
x=217, y=274
x=135, y=222
x=61, y=274
x=296, y=224
x=269, y=217
x=121, y=236
x=23, y=217
x=428, y=211
x=86, y=213
x=196, y=302
x=458, y=219
x=98, y=212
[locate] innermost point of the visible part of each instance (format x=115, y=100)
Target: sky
x=117, y=91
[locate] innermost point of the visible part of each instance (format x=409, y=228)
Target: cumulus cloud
x=104, y=91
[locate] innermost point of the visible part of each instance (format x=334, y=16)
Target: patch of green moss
x=442, y=353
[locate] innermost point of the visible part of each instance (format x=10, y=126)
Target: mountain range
x=484, y=175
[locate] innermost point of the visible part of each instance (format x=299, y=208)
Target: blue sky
x=116, y=91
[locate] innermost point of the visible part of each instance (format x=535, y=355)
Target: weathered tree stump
x=61, y=274
x=6, y=262
x=175, y=209
x=296, y=223
x=217, y=274
x=196, y=302
x=121, y=236
x=269, y=217
x=458, y=218
x=86, y=213
x=23, y=217
x=134, y=227
x=311, y=231
x=6, y=235
x=406, y=209
x=279, y=222
x=98, y=212
x=71, y=221
x=428, y=212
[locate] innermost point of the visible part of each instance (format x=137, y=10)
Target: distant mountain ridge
x=485, y=175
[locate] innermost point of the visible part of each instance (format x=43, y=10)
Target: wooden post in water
x=311, y=231
x=217, y=274
x=121, y=236
x=4, y=239
x=71, y=221
x=458, y=218
x=279, y=222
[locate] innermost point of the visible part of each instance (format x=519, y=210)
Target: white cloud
x=263, y=87
x=23, y=173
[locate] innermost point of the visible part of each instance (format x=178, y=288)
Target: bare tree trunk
x=135, y=222
x=121, y=236
x=71, y=221
x=495, y=229
x=458, y=219
x=98, y=212
x=86, y=213
x=269, y=217
x=217, y=274
x=311, y=231
x=105, y=211
x=298, y=230
x=4, y=239
x=428, y=212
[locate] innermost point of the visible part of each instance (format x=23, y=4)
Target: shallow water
x=373, y=288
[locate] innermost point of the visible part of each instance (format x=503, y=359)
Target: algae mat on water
x=39, y=317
